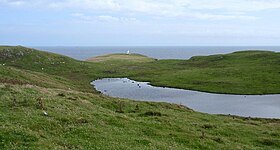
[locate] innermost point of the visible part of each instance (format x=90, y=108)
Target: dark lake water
x=262, y=106
x=160, y=52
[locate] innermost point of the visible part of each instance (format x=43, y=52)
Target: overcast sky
x=139, y=22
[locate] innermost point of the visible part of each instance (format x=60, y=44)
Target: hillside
x=80, y=118
x=246, y=72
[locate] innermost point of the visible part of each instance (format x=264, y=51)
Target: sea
x=159, y=52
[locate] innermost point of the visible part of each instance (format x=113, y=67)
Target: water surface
x=263, y=106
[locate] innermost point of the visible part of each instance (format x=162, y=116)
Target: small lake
x=261, y=106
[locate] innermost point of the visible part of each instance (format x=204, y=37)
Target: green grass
x=82, y=118
x=78, y=120
x=121, y=57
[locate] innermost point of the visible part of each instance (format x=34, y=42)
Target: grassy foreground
x=78, y=117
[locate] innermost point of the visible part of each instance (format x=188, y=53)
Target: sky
x=140, y=22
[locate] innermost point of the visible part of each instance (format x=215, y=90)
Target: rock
x=45, y=113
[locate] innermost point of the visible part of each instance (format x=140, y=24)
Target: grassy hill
x=246, y=72
x=121, y=57
x=78, y=117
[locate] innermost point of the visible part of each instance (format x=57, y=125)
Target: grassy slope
x=78, y=119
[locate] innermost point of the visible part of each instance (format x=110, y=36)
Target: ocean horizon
x=159, y=52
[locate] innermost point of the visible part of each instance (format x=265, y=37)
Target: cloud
x=13, y=2
x=107, y=18
x=234, y=5
x=221, y=17
x=199, y=9
x=102, y=18
x=82, y=16
x=85, y=4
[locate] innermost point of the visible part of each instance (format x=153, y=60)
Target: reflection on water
x=264, y=106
